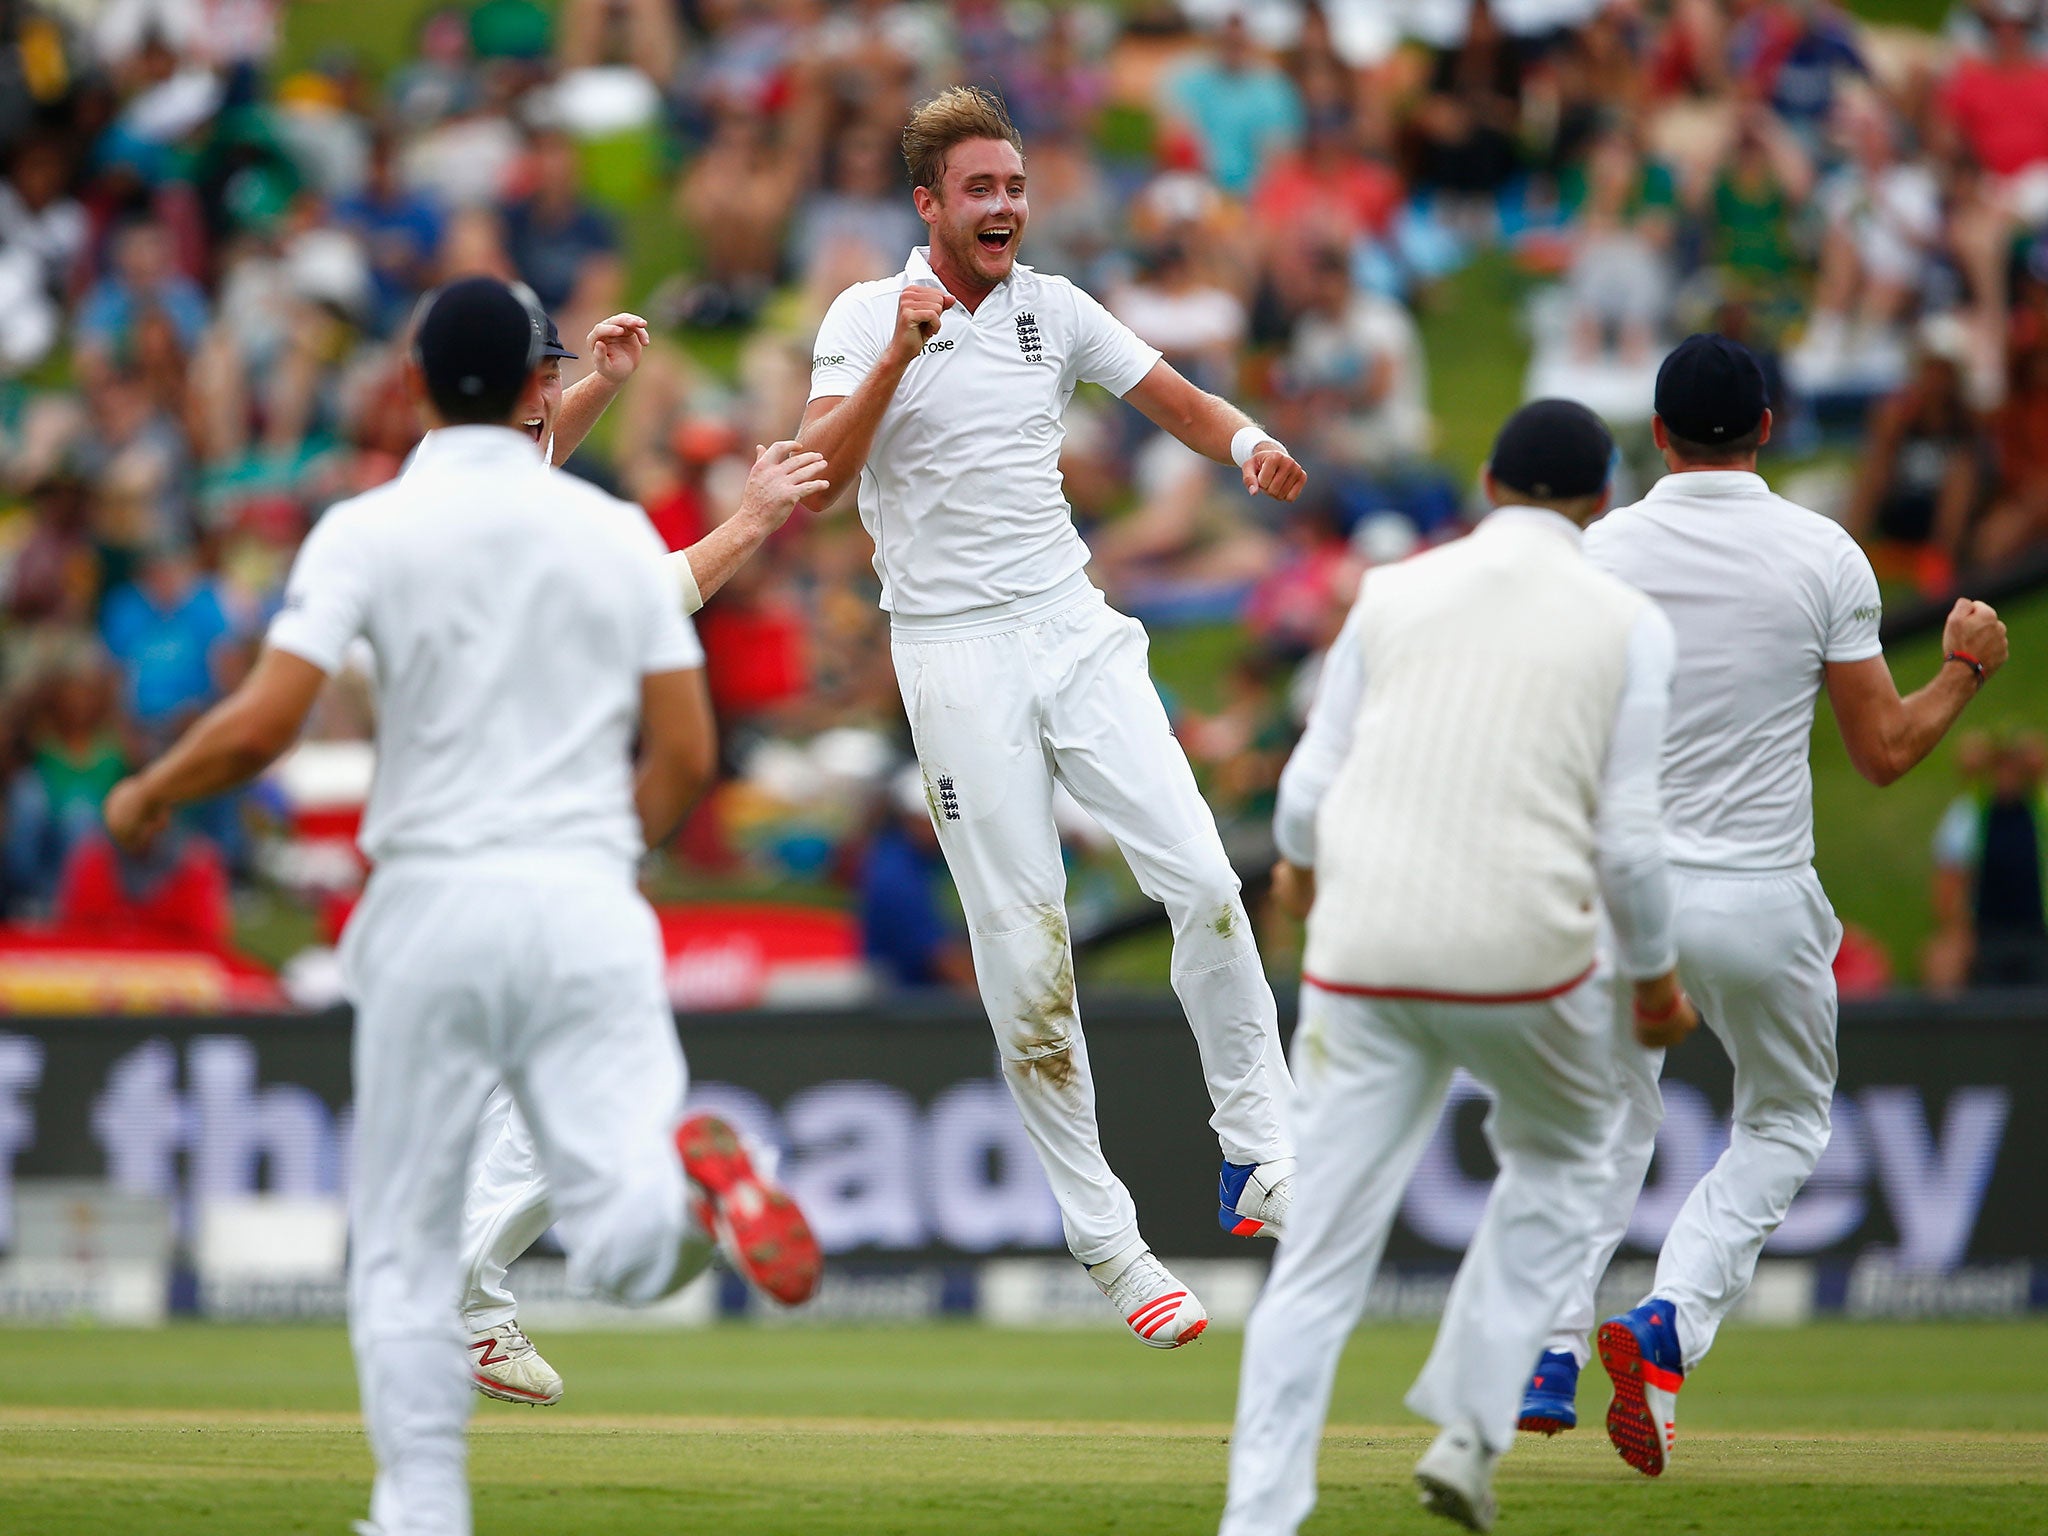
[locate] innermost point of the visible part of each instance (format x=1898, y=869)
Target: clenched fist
x=1975, y=630
x=1272, y=471
x=134, y=816
x=919, y=310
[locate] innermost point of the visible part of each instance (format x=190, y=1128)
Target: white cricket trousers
x=1003, y=702
x=543, y=973
x=1756, y=953
x=1373, y=1075
x=504, y=1212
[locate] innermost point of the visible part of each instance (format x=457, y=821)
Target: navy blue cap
x=477, y=340
x=554, y=347
x=1553, y=450
x=1711, y=390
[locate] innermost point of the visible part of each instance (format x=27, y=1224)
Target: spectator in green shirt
x=75, y=754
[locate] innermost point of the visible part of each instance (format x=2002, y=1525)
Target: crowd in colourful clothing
x=208, y=256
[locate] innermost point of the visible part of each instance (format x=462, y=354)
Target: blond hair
x=954, y=116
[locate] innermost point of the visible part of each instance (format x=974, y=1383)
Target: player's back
x=1762, y=594
x=512, y=611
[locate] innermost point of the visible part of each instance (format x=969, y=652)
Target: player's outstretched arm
x=615, y=347
x=1887, y=735
x=678, y=749
x=843, y=427
x=783, y=476
x=1218, y=430
x=227, y=746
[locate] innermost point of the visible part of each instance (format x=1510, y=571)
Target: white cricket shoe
x=1253, y=1200
x=1156, y=1307
x=1455, y=1478
x=505, y=1365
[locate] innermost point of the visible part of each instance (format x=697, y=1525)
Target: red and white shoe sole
x=1633, y=1426
x=506, y=1394
x=1537, y=1425
x=761, y=1227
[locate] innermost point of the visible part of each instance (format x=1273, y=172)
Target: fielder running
x=525, y=630
x=1771, y=604
x=942, y=390
x=1478, y=774
x=507, y=1209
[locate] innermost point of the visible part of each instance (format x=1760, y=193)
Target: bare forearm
x=726, y=548
x=1924, y=717
x=582, y=403
x=845, y=433
x=223, y=750
x=664, y=791
x=1206, y=423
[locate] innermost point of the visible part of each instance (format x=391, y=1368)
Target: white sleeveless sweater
x=1455, y=849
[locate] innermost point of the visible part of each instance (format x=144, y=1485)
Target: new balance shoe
x=1253, y=1199
x=1640, y=1351
x=504, y=1364
x=1550, y=1402
x=1156, y=1307
x=1455, y=1478
x=756, y=1222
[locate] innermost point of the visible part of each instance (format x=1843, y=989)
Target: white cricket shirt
x=1763, y=595
x=961, y=491
x=513, y=612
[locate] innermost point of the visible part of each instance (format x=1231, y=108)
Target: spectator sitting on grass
x=1988, y=889
x=75, y=751
x=2018, y=518
x=564, y=248
x=1354, y=374
x=1620, y=279
x=1924, y=470
x=167, y=629
x=1242, y=110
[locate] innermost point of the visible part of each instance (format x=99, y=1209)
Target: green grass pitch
x=1843, y=1429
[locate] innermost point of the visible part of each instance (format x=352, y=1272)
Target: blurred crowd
x=208, y=257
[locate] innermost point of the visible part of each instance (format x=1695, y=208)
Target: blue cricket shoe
x=1252, y=1199
x=1550, y=1402
x=1640, y=1351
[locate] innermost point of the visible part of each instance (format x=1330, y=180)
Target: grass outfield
x=1835, y=1429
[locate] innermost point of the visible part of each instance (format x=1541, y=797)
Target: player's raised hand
x=1975, y=630
x=1664, y=1014
x=784, y=475
x=134, y=817
x=1271, y=471
x=919, y=309
x=616, y=346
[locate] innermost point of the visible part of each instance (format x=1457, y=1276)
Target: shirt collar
x=476, y=445
x=1536, y=517
x=1708, y=482
x=919, y=270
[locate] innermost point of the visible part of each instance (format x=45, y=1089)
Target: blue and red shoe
x=1551, y=1400
x=1640, y=1351
x=1252, y=1199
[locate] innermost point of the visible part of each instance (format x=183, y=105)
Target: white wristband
x=1247, y=439
x=686, y=579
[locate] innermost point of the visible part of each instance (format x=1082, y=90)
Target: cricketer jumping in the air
x=941, y=391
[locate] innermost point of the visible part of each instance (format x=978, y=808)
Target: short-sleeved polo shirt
x=961, y=491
